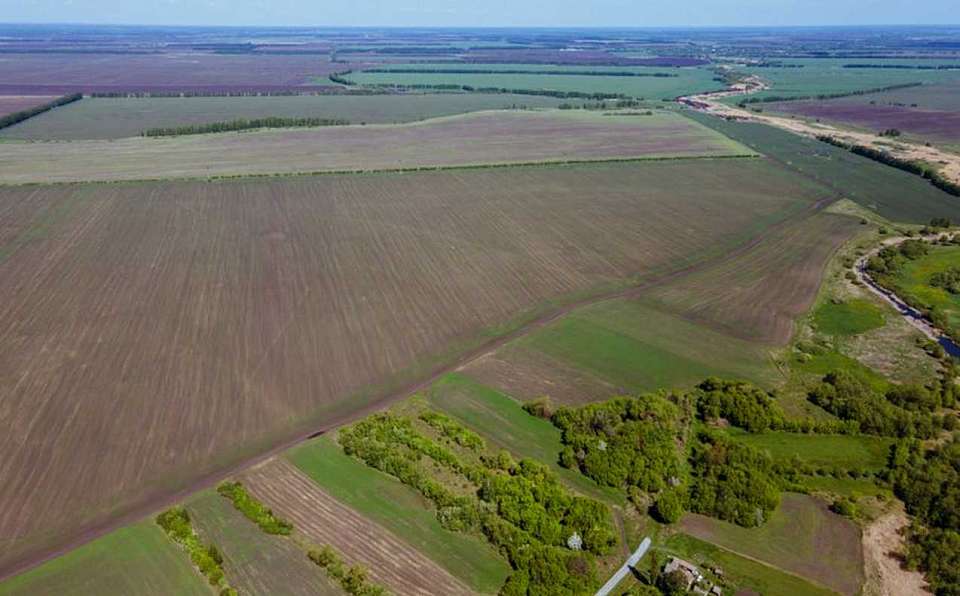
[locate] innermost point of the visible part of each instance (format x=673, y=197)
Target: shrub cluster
x=18, y=117
x=352, y=579
x=903, y=411
x=242, y=124
x=948, y=280
x=453, y=430
x=176, y=523
x=521, y=508
x=928, y=482
x=254, y=510
x=742, y=404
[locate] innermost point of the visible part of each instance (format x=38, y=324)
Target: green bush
x=352, y=579
x=254, y=510
x=176, y=523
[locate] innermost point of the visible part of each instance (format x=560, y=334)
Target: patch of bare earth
x=321, y=519
x=882, y=541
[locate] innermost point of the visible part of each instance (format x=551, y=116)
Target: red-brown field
x=934, y=125
x=57, y=73
x=759, y=295
x=154, y=333
x=16, y=103
x=494, y=137
x=322, y=520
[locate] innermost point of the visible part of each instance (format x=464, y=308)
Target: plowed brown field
x=323, y=520
x=151, y=334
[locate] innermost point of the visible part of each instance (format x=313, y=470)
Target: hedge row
x=18, y=117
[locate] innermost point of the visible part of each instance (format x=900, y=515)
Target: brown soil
x=882, y=543
x=323, y=520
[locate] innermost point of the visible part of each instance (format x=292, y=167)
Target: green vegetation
x=400, y=509
x=641, y=348
x=136, y=559
x=925, y=171
x=819, y=361
x=242, y=124
x=848, y=318
x=254, y=510
x=687, y=81
x=18, y=117
x=802, y=536
x=745, y=573
x=505, y=424
x=353, y=579
x=928, y=482
x=520, y=507
x=854, y=452
x=176, y=523
x=893, y=194
x=924, y=281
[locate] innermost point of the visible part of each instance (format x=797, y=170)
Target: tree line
x=919, y=169
x=823, y=96
x=242, y=124
x=18, y=117
x=583, y=73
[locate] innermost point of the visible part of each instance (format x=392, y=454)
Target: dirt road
x=710, y=102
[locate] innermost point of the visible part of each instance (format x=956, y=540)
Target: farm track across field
x=145, y=507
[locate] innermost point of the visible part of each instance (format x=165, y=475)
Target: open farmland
x=60, y=73
x=253, y=561
x=686, y=81
x=322, y=520
x=824, y=76
x=892, y=193
x=211, y=319
x=17, y=103
x=113, y=118
x=136, y=559
x=802, y=537
x=400, y=510
x=759, y=295
x=483, y=138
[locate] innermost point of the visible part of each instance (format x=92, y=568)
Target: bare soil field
x=321, y=519
x=883, y=544
x=17, y=103
x=255, y=562
x=802, y=537
x=151, y=334
x=759, y=295
x=57, y=73
x=496, y=137
x=114, y=118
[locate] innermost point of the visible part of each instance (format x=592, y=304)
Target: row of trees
x=176, y=524
x=353, y=579
x=242, y=124
x=823, y=96
x=920, y=169
x=583, y=73
x=18, y=117
x=519, y=507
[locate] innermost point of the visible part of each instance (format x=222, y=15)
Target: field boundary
x=484, y=347
x=401, y=170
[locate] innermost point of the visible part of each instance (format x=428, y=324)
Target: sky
x=484, y=13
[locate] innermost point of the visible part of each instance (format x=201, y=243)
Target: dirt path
x=710, y=102
x=146, y=507
x=885, y=576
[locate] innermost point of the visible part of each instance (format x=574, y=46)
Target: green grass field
x=892, y=193
x=689, y=80
x=827, y=76
x=848, y=318
x=136, y=559
x=400, y=509
x=640, y=348
x=112, y=118
x=914, y=282
x=802, y=537
x=859, y=452
x=503, y=423
x=831, y=361
x=748, y=575
x=256, y=562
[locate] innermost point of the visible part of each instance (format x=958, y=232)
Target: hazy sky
x=618, y=13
